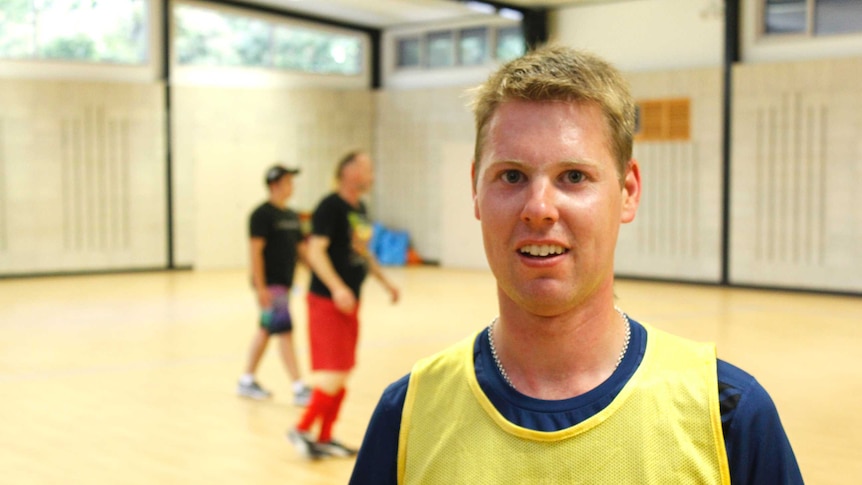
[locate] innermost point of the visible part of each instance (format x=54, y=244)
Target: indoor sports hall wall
x=82, y=183
x=797, y=163
x=414, y=131
x=677, y=232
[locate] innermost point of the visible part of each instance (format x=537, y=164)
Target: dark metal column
x=731, y=57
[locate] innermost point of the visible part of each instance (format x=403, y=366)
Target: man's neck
x=349, y=195
x=277, y=202
x=561, y=356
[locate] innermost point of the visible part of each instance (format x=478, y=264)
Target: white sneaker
x=302, y=397
x=253, y=391
x=305, y=445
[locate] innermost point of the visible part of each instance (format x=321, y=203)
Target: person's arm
x=258, y=273
x=302, y=244
x=318, y=260
x=758, y=450
x=377, y=272
x=302, y=252
x=377, y=462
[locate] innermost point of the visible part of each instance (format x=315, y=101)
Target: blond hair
x=557, y=73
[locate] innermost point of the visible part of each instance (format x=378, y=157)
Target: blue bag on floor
x=390, y=246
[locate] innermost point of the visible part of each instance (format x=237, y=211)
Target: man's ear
x=631, y=192
x=473, y=176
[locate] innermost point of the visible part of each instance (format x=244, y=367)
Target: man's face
x=360, y=173
x=550, y=203
x=283, y=188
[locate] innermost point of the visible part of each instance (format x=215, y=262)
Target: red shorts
x=333, y=334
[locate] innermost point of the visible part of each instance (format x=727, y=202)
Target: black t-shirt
x=349, y=232
x=282, y=232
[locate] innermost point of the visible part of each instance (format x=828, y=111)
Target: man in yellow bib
x=563, y=387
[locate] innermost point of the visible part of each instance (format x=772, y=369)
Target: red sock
x=330, y=416
x=318, y=406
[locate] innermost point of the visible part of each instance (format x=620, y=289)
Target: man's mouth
x=542, y=250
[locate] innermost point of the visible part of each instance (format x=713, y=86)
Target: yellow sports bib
x=664, y=427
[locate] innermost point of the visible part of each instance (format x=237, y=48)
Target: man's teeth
x=542, y=249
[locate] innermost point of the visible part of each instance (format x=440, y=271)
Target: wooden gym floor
x=130, y=378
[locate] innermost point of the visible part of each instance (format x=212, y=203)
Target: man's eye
x=512, y=176
x=574, y=176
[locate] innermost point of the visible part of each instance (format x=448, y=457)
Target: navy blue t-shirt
x=757, y=447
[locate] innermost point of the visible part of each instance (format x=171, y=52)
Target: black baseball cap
x=276, y=172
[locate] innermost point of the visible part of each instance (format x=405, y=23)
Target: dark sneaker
x=253, y=391
x=335, y=448
x=305, y=445
x=302, y=397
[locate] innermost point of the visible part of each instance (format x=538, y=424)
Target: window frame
x=810, y=30
x=491, y=39
x=39, y=45
x=420, y=61
x=149, y=71
x=276, y=24
x=448, y=34
x=487, y=32
x=268, y=76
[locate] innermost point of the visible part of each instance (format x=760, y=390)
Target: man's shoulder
x=393, y=397
x=740, y=390
x=398, y=389
x=261, y=218
x=757, y=445
x=329, y=199
x=329, y=204
x=735, y=376
x=262, y=208
x=442, y=360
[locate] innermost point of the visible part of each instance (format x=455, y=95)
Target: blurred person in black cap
x=276, y=243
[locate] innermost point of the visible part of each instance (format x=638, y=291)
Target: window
x=812, y=17
x=510, y=43
x=837, y=16
x=469, y=46
x=439, y=49
x=312, y=51
x=208, y=37
x=409, y=52
x=785, y=16
x=85, y=31
x=473, y=46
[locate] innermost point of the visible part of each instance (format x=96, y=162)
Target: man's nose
x=540, y=206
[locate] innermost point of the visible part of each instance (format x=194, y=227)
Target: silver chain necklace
x=503, y=370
